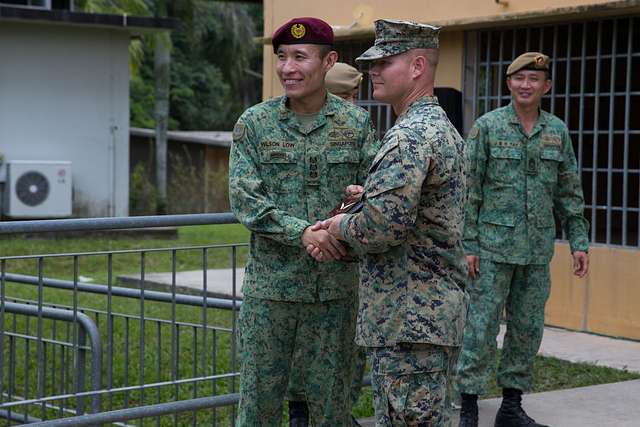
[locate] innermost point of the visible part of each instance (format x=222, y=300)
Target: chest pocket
x=279, y=170
x=343, y=167
x=505, y=163
x=551, y=159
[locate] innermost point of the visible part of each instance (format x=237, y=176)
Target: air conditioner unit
x=38, y=189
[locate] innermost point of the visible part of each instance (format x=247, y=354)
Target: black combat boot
x=511, y=413
x=298, y=413
x=469, y=410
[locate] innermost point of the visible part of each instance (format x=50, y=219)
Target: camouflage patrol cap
x=395, y=37
x=304, y=30
x=342, y=78
x=529, y=61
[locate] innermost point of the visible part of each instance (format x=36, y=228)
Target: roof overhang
x=133, y=24
x=210, y=138
x=544, y=16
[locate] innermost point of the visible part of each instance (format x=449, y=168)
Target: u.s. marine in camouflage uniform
x=521, y=169
x=412, y=272
x=290, y=161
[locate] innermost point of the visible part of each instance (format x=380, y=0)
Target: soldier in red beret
x=291, y=160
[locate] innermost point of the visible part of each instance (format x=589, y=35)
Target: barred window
x=593, y=92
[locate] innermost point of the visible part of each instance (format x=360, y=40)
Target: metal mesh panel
x=593, y=92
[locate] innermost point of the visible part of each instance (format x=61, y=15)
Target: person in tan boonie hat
x=343, y=80
x=395, y=37
x=529, y=61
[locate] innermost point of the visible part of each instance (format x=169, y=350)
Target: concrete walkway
x=219, y=282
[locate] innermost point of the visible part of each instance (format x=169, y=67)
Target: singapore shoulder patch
x=473, y=133
x=238, y=131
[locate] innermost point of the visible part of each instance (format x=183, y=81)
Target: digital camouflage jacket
x=413, y=270
x=283, y=177
x=516, y=182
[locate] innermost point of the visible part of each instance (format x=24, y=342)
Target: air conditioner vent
x=32, y=188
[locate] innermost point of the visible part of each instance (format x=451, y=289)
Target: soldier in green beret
x=412, y=300
x=521, y=169
x=291, y=160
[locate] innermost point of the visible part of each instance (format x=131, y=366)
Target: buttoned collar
x=289, y=117
x=417, y=104
x=541, y=122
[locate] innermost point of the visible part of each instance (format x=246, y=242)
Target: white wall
x=64, y=95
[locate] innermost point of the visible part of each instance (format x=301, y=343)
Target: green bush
x=143, y=197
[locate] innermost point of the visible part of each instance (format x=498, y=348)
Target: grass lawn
x=155, y=337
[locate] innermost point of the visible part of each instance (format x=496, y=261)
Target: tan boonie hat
x=342, y=78
x=529, y=61
x=396, y=37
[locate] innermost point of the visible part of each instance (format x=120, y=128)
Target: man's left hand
x=580, y=263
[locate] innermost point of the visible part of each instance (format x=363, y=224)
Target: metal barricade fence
x=77, y=353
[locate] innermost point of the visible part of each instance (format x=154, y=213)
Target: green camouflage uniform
x=515, y=184
x=412, y=273
x=295, y=390
x=283, y=177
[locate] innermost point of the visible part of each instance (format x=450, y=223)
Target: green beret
x=395, y=37
x=342, y=78
x=529, y=61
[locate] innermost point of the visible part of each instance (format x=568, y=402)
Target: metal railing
x=160, y=357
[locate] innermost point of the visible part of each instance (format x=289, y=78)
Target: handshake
x=322, y=240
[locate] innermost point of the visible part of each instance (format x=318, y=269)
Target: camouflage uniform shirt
x=515, y=183
x=283, y=177
x=413, y=270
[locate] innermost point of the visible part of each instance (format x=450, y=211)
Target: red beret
x=303, y=31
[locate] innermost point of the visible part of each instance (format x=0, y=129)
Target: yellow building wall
x=607, y=301
x=347, y=13
x=354, y=19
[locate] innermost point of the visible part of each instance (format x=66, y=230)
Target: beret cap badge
x=298, y=31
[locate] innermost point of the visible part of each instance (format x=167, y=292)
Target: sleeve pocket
x=385, y=180
x=381, y=155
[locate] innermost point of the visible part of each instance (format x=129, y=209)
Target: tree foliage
x=213, y=48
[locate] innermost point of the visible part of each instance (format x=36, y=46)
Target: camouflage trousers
x=270, y=333
x=523, y=290
x=295, y=391
x=412, y=384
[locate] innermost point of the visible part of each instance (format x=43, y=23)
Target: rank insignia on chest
x=473, y=133
x=531, y=162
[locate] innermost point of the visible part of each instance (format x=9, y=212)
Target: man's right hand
x=329, y=246
x=354, y=190
x=473, y=262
